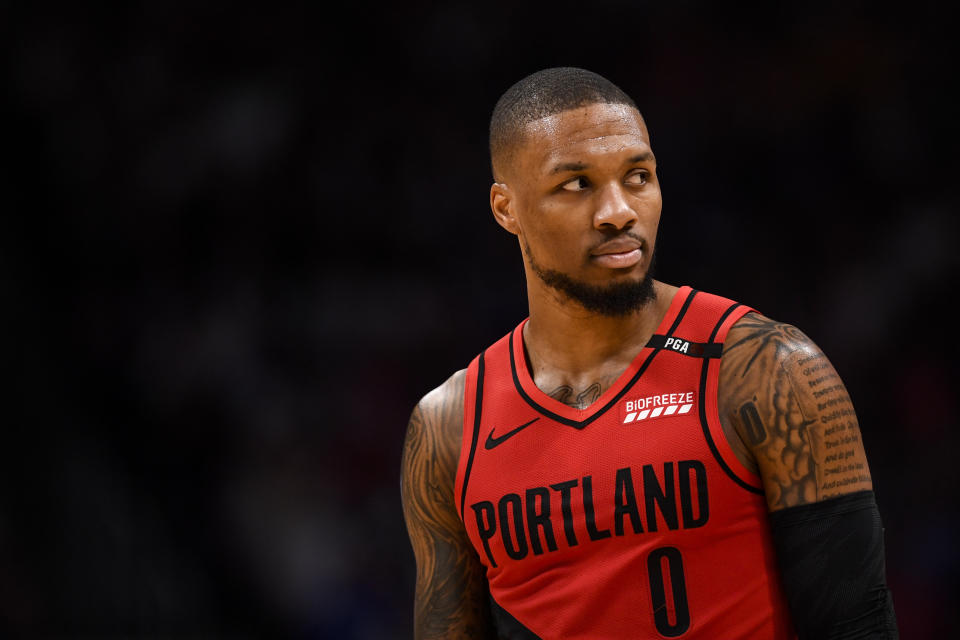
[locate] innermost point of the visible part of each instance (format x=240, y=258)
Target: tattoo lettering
x=786, y=403
x=838, y=433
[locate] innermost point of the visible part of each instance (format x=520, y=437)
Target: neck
x=563, y=338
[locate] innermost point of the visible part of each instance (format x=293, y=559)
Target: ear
x=502, y=205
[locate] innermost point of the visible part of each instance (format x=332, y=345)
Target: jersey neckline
x=580, y=418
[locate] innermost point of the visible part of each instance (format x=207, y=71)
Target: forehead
x=589, y=132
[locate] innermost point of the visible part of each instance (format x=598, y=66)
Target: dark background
x=239, y=244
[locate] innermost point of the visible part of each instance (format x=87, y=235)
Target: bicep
x=792, y=411
x=450, y=599
x=794, y=414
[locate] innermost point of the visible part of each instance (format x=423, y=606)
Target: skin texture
x=580, y=180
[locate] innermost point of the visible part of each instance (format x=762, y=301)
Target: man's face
x=584, y=200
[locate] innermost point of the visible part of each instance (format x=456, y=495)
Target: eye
x=577, y=184
x=637, y=178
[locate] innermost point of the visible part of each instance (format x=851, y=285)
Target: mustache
x=623, y=234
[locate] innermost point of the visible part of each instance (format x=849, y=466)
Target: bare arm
x=788, y=415
x=451, y=589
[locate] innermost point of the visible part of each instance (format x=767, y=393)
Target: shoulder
x=442, y=408
x=756, y=353
x=756, y=341
x=450, y=391
x=786, y=411
x=435, y=429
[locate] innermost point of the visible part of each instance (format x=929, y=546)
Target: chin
x=614, y=297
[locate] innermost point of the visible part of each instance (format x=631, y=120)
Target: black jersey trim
x=703, y=409
x=580, y=424
x=476, y=435
x=508, y=627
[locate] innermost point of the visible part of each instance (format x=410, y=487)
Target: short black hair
x=543, y=94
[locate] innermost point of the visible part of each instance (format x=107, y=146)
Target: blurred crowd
x=241, y=243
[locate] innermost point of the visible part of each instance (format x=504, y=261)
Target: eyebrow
x=569, y=166
x=646, y=156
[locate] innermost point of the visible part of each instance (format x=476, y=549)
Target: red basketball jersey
x=632, y=518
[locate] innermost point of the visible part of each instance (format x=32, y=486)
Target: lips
x=617, y=245
x=618, y=253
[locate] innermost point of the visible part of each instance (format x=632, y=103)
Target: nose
x=614, y=211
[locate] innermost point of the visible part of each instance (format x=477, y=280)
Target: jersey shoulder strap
x=703, y=327
x=710, y=321
x=478, y=375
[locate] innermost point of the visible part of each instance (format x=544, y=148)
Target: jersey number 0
x=658, y=591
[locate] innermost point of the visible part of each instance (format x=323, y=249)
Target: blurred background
x=239, y=244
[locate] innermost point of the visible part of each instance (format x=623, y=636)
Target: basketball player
x=635, y=459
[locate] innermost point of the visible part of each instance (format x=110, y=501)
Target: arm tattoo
x=582, y=400
x=786, y=403
x=450, y=599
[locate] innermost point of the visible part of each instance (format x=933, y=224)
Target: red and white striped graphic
x=656, y=412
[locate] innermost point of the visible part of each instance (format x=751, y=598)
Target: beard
x=615, y=299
